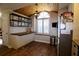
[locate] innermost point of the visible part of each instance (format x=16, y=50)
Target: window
x=1, y=42
x=43, y=23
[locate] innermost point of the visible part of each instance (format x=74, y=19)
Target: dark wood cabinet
x=65, y=45
x=19, y=21
x=0, y=33
x=75, y=49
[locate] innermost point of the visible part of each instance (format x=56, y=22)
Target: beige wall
x=0, y=22
x=0, y=19
x=5, y=26
x=76, y=22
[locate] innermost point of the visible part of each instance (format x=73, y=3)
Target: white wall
x=33, y=28
x=69, y=27
x=53, y=18
x=18, y=29
x=42, y=38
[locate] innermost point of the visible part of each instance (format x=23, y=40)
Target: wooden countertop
x=21, y=33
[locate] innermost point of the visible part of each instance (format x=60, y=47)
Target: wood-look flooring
x=32, y=49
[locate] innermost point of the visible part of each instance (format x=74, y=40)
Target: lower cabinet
x=19, y=41
x=75, y=49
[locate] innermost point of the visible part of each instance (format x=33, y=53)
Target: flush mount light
x=35, y=14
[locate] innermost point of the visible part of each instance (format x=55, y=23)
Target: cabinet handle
x=74, y=53
x=74, y=46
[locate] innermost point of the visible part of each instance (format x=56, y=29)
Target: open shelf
x=19, y=21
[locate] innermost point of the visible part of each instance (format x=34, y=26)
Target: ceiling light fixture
x=36, y=4
x=36, y=12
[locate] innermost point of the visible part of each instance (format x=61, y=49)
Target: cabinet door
x=15, y=17
x=65, y=45
x=74, y=49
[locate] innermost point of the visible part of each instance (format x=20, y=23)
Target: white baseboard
x=42, y=41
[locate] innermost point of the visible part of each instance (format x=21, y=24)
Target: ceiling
x=32, y=9
x=63, y=5
x=13, y=6
x=29, y=9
